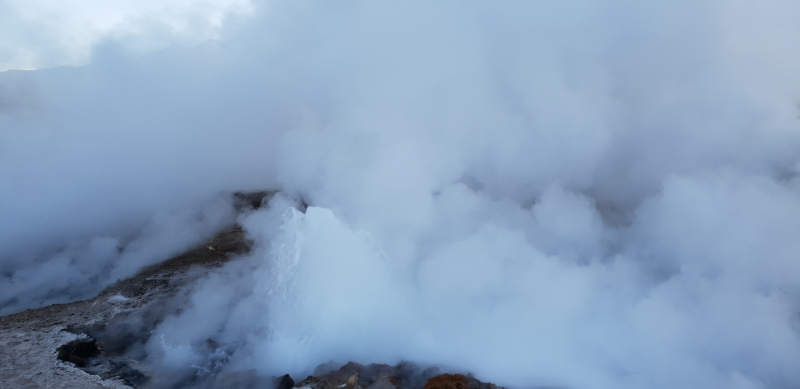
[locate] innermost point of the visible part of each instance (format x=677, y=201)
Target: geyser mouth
x=115, y=327
x=116, y=347
x=79, y=351
x=87, y=354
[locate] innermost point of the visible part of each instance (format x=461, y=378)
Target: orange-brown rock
x=448, y=381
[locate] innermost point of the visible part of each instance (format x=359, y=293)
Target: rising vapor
x=577, y=194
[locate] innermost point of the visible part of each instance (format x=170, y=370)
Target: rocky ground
x=89, y=344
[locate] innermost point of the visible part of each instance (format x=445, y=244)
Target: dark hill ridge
x=95, y=343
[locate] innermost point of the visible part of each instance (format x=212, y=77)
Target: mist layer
x=577, y=194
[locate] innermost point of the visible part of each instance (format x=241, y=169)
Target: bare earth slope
x=32, y=342
x=29, y=340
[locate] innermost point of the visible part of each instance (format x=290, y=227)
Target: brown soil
x=448, y=381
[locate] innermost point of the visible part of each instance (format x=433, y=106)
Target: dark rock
x=79, y=351
x=251, y=200
x=284, y=382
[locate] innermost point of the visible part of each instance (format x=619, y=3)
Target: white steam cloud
x=578, y=194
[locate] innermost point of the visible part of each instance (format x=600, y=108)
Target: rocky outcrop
x=405, y=375
x=457, y=381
